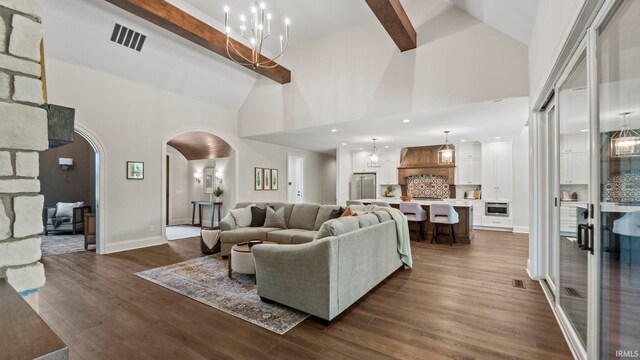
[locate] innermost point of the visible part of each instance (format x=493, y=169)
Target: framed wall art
x=208, y=176
x=266, y=179
x=135, y=170
x=274, y=179
x=257, y=179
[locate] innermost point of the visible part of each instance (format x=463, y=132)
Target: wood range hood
x=424, y=160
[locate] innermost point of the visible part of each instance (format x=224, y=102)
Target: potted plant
x=217, y=193
x=389, y=191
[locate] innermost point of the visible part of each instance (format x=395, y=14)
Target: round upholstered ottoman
x=241, y=259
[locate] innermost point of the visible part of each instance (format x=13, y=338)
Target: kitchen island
x=463, y=230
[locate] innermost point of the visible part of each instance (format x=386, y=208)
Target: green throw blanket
x=402, y=227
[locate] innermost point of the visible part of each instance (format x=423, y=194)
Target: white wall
x=554, y=20
x=133, y=121
x=178, y=187
x=520, y=205
x=344, y=170
x=263, y=155
x=359, y=73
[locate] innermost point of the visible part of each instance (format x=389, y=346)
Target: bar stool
x=354, y=202
x=414, y=213
x=381, y=204
x=443, y=216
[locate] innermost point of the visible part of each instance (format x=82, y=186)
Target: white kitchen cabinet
x=569, y=217
x=388, y=173
x=497, y=222
x=469, y=165
x=388, y=170
x=359, y=163
x=574, y=144
x=497, y=172
x=468, y=151
x=574, y=160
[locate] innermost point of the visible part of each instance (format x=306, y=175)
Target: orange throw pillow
x=348, y=212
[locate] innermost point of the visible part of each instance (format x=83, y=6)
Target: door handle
x=585, y=243
x=579, y=237
x=590, y=244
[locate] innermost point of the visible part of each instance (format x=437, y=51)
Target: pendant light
x=445, y=154
x=626, y=142
x=373, y=160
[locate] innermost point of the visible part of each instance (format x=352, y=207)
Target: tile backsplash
x=622, y=187
x=428, y=186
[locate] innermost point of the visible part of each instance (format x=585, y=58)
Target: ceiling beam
x=395, y=20
x=187, y=26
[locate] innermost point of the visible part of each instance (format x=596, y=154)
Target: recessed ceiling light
x=344, y=144
x=497, y=137
x=361, y=148
x=463, y=140
x=334, y=130
x=406, y=121
x=584, y=130
x=386, y=147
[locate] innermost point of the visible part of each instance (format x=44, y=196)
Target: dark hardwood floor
x=456, y=303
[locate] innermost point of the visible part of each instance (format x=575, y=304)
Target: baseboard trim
x=132, y=244
x=521, y=229
x=492, y=228
x=185, y=221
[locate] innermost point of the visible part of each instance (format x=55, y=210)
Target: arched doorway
x=197, y=165
x=71, y=174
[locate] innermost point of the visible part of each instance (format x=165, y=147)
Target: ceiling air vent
x=127, y=37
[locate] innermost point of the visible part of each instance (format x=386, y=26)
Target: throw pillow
x=275, y=218
x=257, y=216
x=348, y=212
x=242, y=216
x=336, y=213
x=66, y=209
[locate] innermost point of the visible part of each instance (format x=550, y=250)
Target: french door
x=593, y=249
x=615, y=41
x=569, y=246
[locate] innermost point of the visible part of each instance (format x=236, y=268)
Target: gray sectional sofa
x=302, y=220
x=321, y=266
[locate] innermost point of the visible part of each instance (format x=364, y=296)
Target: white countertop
x=612, y=207
x=395, y=201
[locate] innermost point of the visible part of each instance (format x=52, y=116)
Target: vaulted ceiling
x=512, y=17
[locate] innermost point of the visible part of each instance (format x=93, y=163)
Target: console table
x=200, y=204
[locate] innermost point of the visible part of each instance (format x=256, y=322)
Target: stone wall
x=23, y=133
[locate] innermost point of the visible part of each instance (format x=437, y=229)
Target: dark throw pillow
x=257, y=216
x=336, y=213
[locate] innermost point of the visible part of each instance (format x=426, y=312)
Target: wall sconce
x=65, y=163
x=219, y=177
x=198, y=177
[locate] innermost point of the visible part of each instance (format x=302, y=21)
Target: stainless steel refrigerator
x=362, y=186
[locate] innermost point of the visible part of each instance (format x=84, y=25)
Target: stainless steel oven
x=496, y=209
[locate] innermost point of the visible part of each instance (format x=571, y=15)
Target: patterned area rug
x=206, y=280
x=182, y=232
x=61, y=244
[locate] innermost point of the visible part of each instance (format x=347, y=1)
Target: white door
x=295, y=179
x=475, y=170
